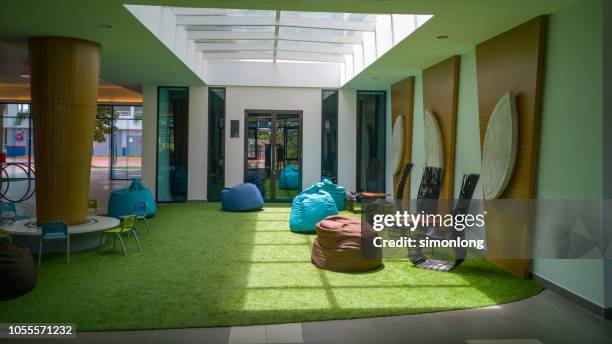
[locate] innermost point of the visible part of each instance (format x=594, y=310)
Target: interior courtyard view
x=348, y=171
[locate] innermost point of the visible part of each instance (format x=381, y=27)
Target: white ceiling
x=132, y=55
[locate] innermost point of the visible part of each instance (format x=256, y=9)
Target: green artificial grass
x=203, y=267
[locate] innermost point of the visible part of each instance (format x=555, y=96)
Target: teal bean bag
x=308, y=208
x=337, y=192
x=121, y=202
x=289, y=178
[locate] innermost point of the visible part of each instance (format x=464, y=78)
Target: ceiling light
x=374, y=78
x=105, y=26
x=442, y=37
x=25, y=76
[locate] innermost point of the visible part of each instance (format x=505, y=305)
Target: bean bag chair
x=17, y=271
x=342, y=245
x=253, y=179
x=289, y=178
x=308, y=208
x=121, y=202
x=337, y=192
x=242, y=197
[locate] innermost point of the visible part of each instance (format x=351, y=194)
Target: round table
x=82, y=237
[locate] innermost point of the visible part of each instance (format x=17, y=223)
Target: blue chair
x=54, y=231
x=140, y=210
x=10, y=209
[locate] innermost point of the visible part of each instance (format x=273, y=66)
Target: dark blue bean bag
x=310, y=207
x=254, y=179
x=289, y=178
x=242, y=197
x=122, y=201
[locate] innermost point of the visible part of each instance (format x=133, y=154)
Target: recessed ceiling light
x=442, y=37
x=25, y=76
x=105, y=26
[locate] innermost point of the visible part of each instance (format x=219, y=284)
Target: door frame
x=273, y=115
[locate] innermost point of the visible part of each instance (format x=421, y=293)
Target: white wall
x=149, y=135
x=280, y=74
x=347, y=138
x=198, y=143
x=308, y=100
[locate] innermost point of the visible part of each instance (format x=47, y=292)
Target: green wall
x=571, y=148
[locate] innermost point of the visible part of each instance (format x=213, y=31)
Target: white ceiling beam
x=317, y=37
x=322, y=49
x=235, y=46
x=229, y=35
x=253, y=55
x=195, y=20
x=285, y=55
x=328, y=24
x=284, y=36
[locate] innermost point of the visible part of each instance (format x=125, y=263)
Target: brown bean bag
x=17, y=271
x=342, y=245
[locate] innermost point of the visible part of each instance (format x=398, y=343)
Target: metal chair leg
x=147, y=224
x=114, y=240
x=101, y=240
x=40, y=251
x=68, y=249
x=122, y=245
x=137, y=241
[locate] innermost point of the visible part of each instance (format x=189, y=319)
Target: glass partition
x=329, y=135
x=216, y=143
x=371, y=132
x=172, y=143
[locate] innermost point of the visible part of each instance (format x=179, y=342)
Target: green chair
x=126, y=226
x=4, y=236
x=92, y=204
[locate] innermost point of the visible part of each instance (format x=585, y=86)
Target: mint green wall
x=467, y=146
x=418, y=149
x=571, y=142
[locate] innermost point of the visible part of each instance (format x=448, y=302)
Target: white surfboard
x=398, y=144
x=500, y=146
x=434, y=148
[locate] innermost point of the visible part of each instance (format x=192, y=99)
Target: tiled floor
x=544, y=318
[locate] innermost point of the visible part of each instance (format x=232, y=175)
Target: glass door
x=273, y=153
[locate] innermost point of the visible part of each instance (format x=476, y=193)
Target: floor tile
x=284, y=333
x=247, y=334
x=192, y=335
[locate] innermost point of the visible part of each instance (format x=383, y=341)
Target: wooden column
x=514, y=61
x=440, y=97
x=64, y=75
x=402, y=104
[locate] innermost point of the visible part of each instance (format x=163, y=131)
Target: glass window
x=172, y=143
x=216, y=143
x=117, y=146
x=17, y=138
x=371, y=128
x=329, y=135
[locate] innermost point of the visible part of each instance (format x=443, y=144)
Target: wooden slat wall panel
x=514, y=61
x=402, y=104
x=440, y=94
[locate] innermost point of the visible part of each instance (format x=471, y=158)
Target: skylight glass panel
x=222, y=12
x=329, y=15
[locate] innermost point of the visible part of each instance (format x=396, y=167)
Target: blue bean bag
x=242, y=197
x=289, y=178
x=308, y=208
x=121, y=202
x=253, y=179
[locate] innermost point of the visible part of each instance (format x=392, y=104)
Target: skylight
x=347, y=42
